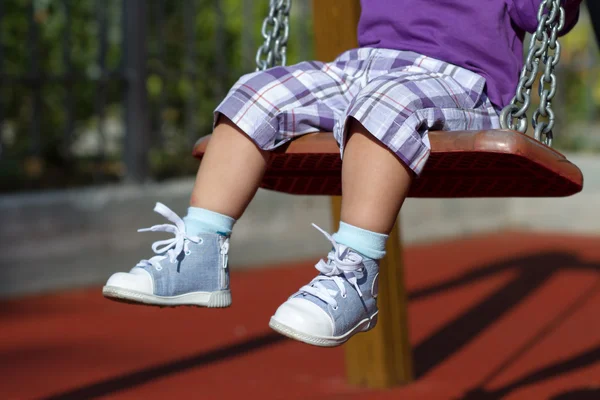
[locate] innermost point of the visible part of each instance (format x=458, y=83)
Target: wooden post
x=382, y=357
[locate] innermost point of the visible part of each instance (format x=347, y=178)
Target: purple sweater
x=484, y=36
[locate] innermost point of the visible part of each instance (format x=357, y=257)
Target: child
x=421, y=65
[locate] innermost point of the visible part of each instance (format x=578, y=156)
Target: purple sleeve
x=524, y=14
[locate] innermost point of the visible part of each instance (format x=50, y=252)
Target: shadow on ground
x=533, y=272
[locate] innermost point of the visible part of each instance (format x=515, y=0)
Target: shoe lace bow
x=342, y=264
x=168, y=248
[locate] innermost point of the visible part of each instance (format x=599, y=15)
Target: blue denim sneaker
x=339, y=303
x=187, y=270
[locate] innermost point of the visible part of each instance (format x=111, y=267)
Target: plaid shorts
x=398, y=96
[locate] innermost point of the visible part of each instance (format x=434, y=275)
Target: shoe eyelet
x=335, y=308
x=201, y=241
x=344, y=296
x=158, y=268
x=187, y=253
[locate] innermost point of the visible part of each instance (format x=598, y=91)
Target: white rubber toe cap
x=305, y=316
x=138, y=280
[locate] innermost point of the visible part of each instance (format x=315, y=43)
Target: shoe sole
x=323, y=341
x=218, y=299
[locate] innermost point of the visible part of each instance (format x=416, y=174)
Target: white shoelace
x=172, y=247
x=342, y=264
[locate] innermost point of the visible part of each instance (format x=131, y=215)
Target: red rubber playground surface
x=506, y=316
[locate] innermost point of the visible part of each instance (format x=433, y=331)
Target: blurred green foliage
x=578, y=99
x=186, y=80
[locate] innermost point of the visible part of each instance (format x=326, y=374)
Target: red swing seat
x=492, y=163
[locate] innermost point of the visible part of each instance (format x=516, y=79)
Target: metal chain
x=275, y=30
x=544, y=48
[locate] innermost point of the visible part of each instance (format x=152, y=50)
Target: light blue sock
x=367, y=243
x=200, y=220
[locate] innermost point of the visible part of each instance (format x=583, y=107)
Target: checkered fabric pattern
x=398, y=96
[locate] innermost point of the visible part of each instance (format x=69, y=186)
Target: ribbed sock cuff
x=367, y=243
x=200, y=220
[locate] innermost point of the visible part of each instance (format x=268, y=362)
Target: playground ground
x=502, y=316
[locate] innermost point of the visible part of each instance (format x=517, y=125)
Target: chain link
x=544, y=49
x=275, y=31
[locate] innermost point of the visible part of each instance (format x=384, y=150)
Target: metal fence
x=49, y=96
x=129, y=76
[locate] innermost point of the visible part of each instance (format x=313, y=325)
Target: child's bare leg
x=230, y=172
x=341, y=300
x=374, y=182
